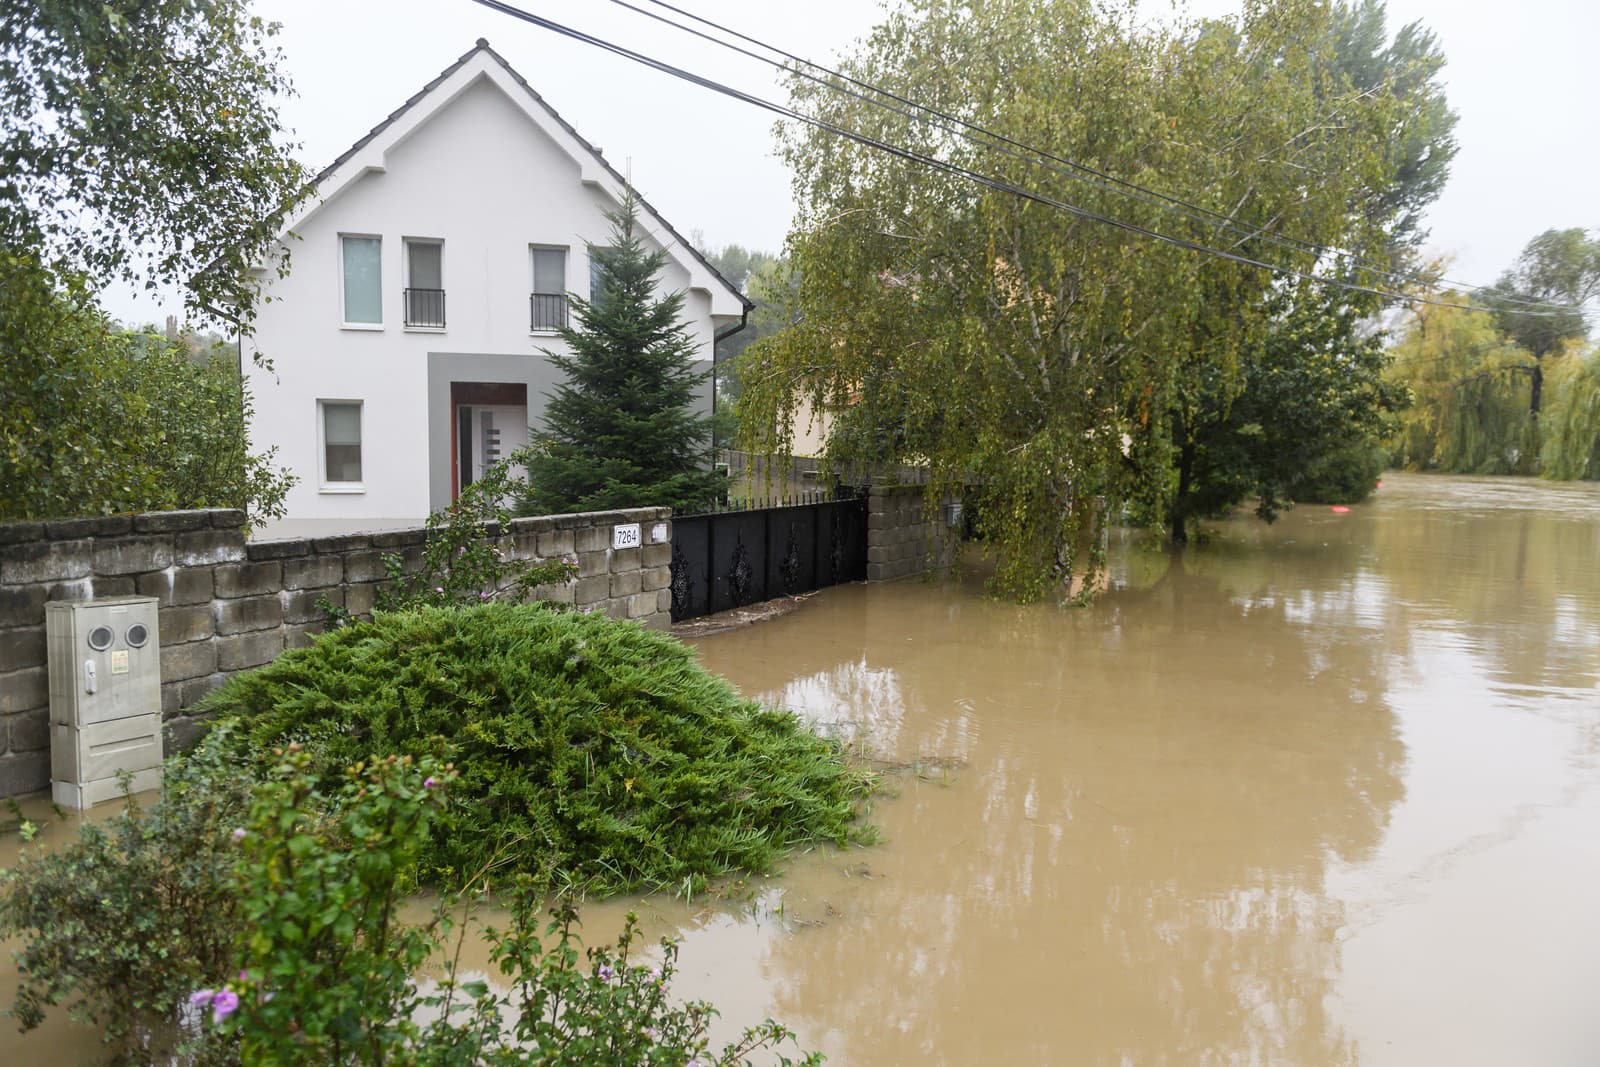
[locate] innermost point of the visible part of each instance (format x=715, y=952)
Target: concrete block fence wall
x=902, y=537
x=228, y=604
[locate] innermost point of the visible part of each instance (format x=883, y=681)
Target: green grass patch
x=591, y=751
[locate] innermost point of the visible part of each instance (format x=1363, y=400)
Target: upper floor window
x=341, y=444
x=597, y=278
x=548, y=304
x=363, y=280
x=364, y=285
x=424, y=283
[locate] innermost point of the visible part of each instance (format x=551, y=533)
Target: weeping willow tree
x=1571, y=423
x=1469, y=386
x=1030, y=353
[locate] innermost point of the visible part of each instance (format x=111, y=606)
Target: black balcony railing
x=547, y=311
x=425, y=307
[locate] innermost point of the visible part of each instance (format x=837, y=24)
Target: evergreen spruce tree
x=621, y=431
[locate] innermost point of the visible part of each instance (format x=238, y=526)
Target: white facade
x=477, y=172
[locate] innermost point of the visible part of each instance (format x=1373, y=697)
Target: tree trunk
x=1177, y=515
x=1536, y=394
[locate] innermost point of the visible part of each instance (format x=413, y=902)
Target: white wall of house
x=480, y=166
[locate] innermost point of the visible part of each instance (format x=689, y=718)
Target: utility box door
x=105, y=659
x=105, y=749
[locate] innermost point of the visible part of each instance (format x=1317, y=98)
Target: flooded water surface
x=1325, y=792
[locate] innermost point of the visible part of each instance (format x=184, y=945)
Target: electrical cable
x=951, y=168
x=1042, y=158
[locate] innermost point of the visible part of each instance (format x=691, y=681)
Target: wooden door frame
x=471, y=394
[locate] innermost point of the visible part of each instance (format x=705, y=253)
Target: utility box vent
x=105, y=698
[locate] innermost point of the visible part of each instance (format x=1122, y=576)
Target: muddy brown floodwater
x=1326, y=792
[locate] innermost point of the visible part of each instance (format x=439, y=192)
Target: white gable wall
x=482, y=176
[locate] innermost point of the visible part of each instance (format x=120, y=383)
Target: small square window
x=363, y=280
x=341, y=442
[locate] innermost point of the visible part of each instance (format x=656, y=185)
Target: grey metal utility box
x=105, y=697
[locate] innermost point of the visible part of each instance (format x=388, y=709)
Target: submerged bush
x=593, y=751
x=1344, y=475
x=122, y=923
x=244, y=922
x=325, y=964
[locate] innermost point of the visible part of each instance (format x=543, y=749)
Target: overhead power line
x=911, y=155
x=981, y=135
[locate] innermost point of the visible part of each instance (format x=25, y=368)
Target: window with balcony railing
x=425, y=307
x=547, y=305
x=547, y=311
x=424, y=295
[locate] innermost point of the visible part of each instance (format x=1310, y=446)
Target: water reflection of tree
x=1130, y=868
x=1507, y=565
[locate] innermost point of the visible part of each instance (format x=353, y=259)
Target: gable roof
x=333, y=170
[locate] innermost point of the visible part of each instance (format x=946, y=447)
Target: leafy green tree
x=95, y=420
x=1470, y=407
x=1305, y=422
x=1571, y=427
x=140, y=141
x=737, y=263
x=1560, y=267
x=1480, y=377
x=1422, y=139
x=1032, y=357
x=1242, y=435
x=765, y=280
x=621, y=431
x=463, y=561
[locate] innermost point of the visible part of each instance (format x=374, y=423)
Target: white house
x=429, y=270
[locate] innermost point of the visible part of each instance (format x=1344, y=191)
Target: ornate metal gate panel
x=727, y=559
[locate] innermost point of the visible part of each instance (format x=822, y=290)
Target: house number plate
x=625, y=536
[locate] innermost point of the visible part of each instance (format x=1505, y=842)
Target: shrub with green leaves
x=1345, y=474
x=122, y=923
x=462, y=561
x=594, y=752
x=325, y=966
x=601, y=1006
x=95, y=420
x=258, y=922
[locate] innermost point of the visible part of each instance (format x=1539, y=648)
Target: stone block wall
x=228, y=603
x=902, y=537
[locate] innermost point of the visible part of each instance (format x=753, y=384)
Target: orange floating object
x=1340, y=508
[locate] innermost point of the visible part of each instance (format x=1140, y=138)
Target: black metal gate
x=730, y=558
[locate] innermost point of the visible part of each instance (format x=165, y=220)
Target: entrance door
x=490, y=422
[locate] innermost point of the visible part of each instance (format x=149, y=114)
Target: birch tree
x=1037, y=358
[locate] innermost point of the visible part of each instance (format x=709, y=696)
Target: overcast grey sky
x=1520, y=75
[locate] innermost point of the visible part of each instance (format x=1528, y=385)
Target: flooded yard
x=1325, y=792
